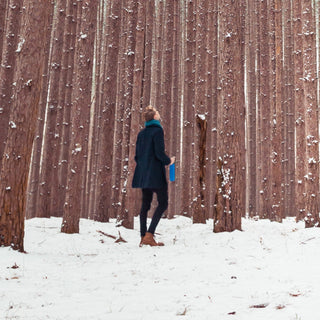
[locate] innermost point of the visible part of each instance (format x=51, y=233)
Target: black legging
x=147, y=194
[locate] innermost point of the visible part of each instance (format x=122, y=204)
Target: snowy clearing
x=267, y=271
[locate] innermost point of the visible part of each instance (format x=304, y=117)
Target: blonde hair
x=149, y=113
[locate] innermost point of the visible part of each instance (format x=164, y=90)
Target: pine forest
x=237, y=85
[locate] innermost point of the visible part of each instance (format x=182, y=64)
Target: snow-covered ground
x=267, y=271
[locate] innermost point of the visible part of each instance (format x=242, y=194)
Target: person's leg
x=146, y=204
x=162, y=196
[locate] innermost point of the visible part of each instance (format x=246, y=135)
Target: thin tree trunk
x=188, y=111
x=252, y=107
x=289, y=107
x=277, y=183
x=130, y=199
x=80, y=113
x=311, y=115
x=211, y=94
x=105, y=170
x=264, y=113
x=49, y=145
x=3, y=12
x=124, y=217
x=36, y=160
x=299, y=112
x=175, y=127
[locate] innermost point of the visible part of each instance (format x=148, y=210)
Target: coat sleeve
x=159, y=148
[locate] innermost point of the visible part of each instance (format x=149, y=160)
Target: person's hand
x=173, y=159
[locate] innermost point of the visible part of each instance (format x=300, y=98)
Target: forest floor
x=267, y=271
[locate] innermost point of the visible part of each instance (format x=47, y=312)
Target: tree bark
x=311, y=115
x=277, y=183
x=25, y=104
x=299, y=112
x=231, y=184
x=80, y=113
x=51, y=106
x=124, y=216
x=11, y=45
x=188, y=110
x=200, y=129
x=252, y=106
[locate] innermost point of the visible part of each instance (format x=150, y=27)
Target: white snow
x=197, y=275
x=12, y=125
x=20, y=44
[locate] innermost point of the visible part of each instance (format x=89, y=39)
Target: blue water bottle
x=172, y=172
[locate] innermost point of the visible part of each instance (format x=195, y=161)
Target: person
x=150, y=174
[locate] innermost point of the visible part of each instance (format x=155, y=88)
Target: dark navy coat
x=150, y=158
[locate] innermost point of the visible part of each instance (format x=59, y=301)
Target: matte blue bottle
x=172, y=172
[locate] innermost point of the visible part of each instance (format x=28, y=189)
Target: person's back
x=150, y=158
x=150, y=174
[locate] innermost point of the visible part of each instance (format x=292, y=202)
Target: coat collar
x=152, y=123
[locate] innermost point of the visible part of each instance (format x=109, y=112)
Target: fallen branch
x=304, y=242
x=259, y=306
x=107, y=235
x=119, y=239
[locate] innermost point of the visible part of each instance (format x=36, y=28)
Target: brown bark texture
x=21, y=130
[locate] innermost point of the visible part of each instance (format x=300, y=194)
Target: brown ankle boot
x=149, y=240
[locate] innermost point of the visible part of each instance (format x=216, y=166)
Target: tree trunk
x=231, y=184
x=277, y=183
x=32, y=209
x=49, y=145
x=252, y=107
x=289, y=107
x=200, y=129
x=130, y=202
x=264, y=113
x=311, y=115
x=188, y=110
x=80, y=113
x=17, y=153
x=199, y=212
x=11, y=46
x=212, y=105
x=299, y=112
x=124, y=216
